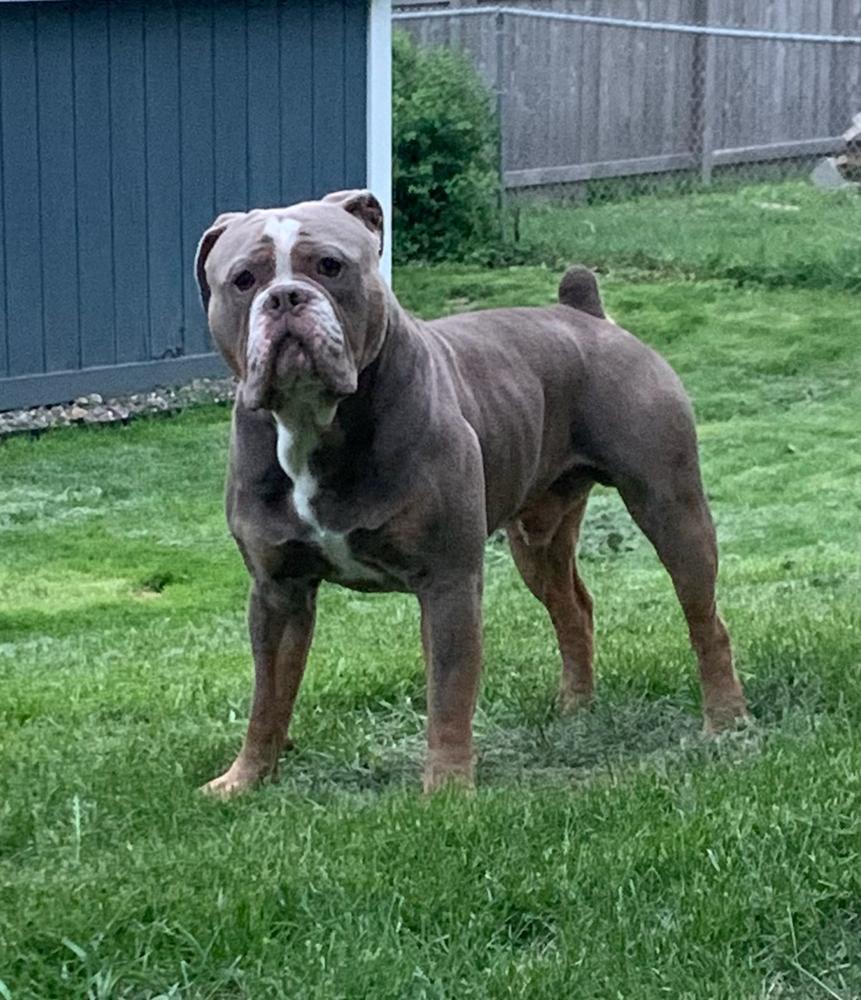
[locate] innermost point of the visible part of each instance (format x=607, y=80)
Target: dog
x=376, y=451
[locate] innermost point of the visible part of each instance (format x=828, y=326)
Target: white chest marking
x=294, y=448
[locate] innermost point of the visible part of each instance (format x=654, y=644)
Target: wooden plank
x=297, y=126
x=808, y=122
x=642, y=121
x=823, y=145
x=543, y=93
x=824, y=62
x=93, y=168
x=355, y=94
x=723, y=69
x=21, y=210
x=788, y=110
x=4, y=281
x=650, y=136
x=800, y=120
x=536, y=123
x=327, y=148
x=744, y=88
x=539, y=176
x=521, y=120
x=56, y=180
x=732, y=84
x=566, y=113
x=590, y=116
x=197, y=155
x=230, y=62
x=481, y=40
x=648, y=124
x=708, y=109
x=129, y=182
x=677, y=57
x=264, y=122
x=757, y=97
x=575, y=138
x=605, y=126
x=779, y=86
x=296, y=95
x=164, y=194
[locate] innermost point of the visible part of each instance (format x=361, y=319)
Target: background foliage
x=445, y=177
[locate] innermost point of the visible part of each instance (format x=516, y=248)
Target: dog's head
x=294, y=296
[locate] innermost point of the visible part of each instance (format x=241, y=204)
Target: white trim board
x=379, y=118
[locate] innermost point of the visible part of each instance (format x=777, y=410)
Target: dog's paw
x=573, y=700
x=443, y=770
x=238, y=778
x=727, y=715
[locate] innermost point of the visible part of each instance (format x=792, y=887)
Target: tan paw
x=239, y=777
x=727, y=716
x=571, y=701
x=442, y=770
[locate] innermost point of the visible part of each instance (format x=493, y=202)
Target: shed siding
x=124, y=129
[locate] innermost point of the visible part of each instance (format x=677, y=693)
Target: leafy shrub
x=445, y=169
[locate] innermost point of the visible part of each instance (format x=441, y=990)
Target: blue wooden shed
x=125, y=127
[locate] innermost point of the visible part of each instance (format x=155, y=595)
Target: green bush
x=445, y=170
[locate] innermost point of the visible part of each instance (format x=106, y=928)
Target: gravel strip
x=94, y=409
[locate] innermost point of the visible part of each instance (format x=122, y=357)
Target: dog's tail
x=579, y=289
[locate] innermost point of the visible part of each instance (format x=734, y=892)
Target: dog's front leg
x=281, y=623
x=451, y=637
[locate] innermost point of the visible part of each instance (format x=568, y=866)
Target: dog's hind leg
x=673, y=513
x=543, y=542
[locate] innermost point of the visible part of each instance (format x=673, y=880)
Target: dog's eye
x=329, y=267
x=244, y=280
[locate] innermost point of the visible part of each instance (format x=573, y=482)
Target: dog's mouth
x=292, y=359
x=293, y=354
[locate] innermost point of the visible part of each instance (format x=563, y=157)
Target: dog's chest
x=295, y=445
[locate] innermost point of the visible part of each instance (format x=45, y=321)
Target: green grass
x=778, y=235
x=614, y=855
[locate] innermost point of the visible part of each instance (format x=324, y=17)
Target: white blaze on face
x=283, y=233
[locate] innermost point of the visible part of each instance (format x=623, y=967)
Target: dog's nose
x=283, y=298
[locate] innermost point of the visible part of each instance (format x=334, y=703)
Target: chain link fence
x=594, y=108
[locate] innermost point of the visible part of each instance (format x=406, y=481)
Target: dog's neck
x=344, y=433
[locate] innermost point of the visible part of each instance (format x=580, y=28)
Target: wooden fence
x=583, y=96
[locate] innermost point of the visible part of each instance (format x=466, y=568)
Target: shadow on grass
x=618, y=736
x=601, y=743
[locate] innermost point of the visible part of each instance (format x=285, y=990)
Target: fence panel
x=588, y=99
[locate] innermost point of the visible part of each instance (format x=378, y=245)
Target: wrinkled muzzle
x=294, y=336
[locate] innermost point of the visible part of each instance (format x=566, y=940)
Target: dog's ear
x=207, y=242
x=364, y=206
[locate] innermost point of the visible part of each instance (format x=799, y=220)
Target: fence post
x=703, y=93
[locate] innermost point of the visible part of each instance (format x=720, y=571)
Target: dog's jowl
x=377, y=451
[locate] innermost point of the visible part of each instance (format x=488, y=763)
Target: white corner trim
x=379, y=118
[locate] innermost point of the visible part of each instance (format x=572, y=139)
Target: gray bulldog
x=377, y=451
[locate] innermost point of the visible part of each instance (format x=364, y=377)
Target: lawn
x=617, y=854
x=778, y=235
